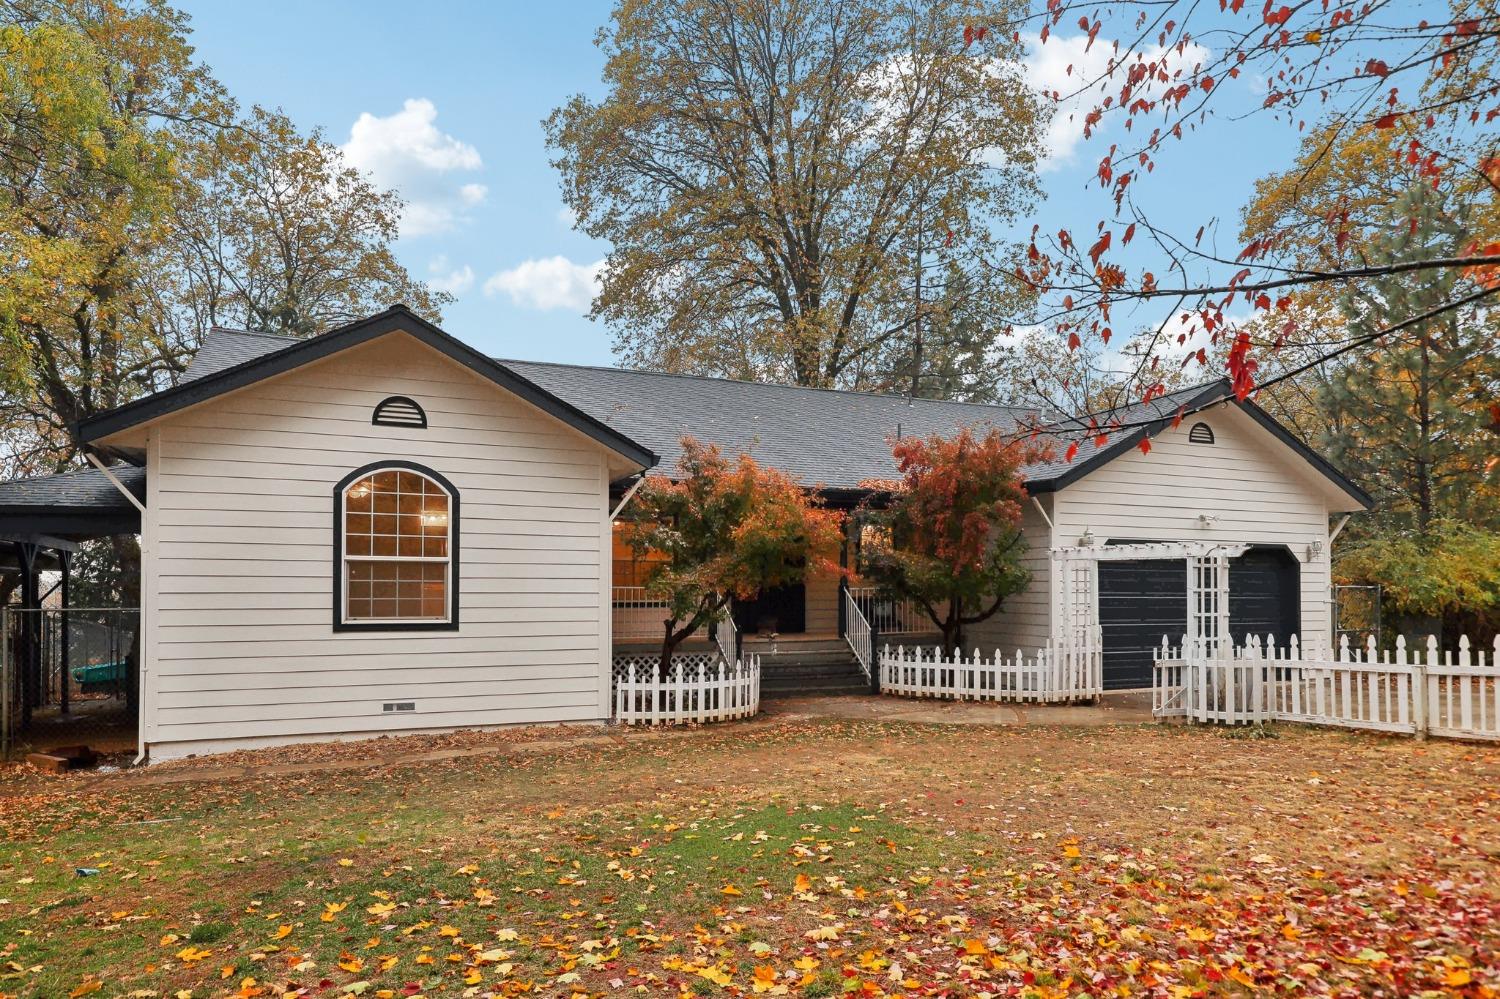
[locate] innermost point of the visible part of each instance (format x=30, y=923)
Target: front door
x=782, y=610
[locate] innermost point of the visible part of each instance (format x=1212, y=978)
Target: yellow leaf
x=345, y=862
x=1290, y=932
x=1199, y=934
x=380, y=908
x=448, y=931
x=170, y=939
x=1072, y=852
x=283, y=931
x=227, y=971
x=351, y=964
x=1457, y=977
x=92, y=985
x=803, y=884
x=1313, y=37
x=731, y=890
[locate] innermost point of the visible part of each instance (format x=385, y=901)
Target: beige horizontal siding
x=243, y=559
x=1024, y=622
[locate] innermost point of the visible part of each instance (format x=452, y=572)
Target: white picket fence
x=699, y=687
x=1062, y=671
x=1417, y=692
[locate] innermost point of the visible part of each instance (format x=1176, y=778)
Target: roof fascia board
x=295, y=355
x=1313, y=458
x=1122, y=446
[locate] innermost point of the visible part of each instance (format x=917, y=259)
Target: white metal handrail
x=726, y=636
x=857, y=633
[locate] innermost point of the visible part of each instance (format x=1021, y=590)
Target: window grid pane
x=396, y=531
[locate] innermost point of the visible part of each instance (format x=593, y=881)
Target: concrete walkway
x=1121, y=708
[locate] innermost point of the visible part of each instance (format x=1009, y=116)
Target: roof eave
x=397, y=318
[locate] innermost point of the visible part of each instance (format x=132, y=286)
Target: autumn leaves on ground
x=812, y=859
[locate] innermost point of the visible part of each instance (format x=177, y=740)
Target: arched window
x=1201, y=433
x=395, y=549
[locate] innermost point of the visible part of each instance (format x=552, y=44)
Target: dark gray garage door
x=1140, y=601
x=1265, y=595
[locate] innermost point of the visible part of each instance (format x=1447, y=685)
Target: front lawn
x=812, y=859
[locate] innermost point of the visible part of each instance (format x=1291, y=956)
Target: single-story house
x=381, y=530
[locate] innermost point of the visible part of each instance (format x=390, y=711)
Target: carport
x=43, y=636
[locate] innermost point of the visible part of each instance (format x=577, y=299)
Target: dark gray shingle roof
x=86, y=489
x=823, y=436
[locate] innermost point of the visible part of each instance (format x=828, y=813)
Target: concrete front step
x=817, y=686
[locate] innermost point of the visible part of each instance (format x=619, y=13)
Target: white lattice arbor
x=1075, y=584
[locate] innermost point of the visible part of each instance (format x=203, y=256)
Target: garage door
x=1265, y=595
x=1140, y=601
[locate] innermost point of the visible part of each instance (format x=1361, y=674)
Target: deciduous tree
x=947, y=534
x=723, y=530
x=1425, y=76
x=766, y=175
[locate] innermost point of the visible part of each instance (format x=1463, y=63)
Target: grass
x=798, y=859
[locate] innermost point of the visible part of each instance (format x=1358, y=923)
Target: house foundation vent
x=401, y=706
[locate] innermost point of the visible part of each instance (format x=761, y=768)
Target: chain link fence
x=68, y=677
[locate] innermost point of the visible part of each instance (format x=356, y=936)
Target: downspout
x=140, y=747
x=1331, y=611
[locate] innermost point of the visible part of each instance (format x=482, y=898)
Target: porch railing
x=890, y=617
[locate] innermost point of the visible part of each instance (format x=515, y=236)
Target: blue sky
x=444, y=103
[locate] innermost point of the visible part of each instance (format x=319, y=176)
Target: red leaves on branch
x=1100, y=246
x=1145, y=445
x=1377, y=67
x=1387, y=121
x=1071, y=453
x=1241, y=366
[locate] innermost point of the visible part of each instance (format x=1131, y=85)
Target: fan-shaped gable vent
x=399, y=411
x=1201, y=433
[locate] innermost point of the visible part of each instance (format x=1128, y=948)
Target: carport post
x=65, y=652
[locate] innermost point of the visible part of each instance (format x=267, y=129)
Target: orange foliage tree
x=724, y=530
x=947, y=534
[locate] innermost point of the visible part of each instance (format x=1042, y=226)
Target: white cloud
x=453, y=280
x=549, y=283
x=406, y=151
x=1064, y=63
